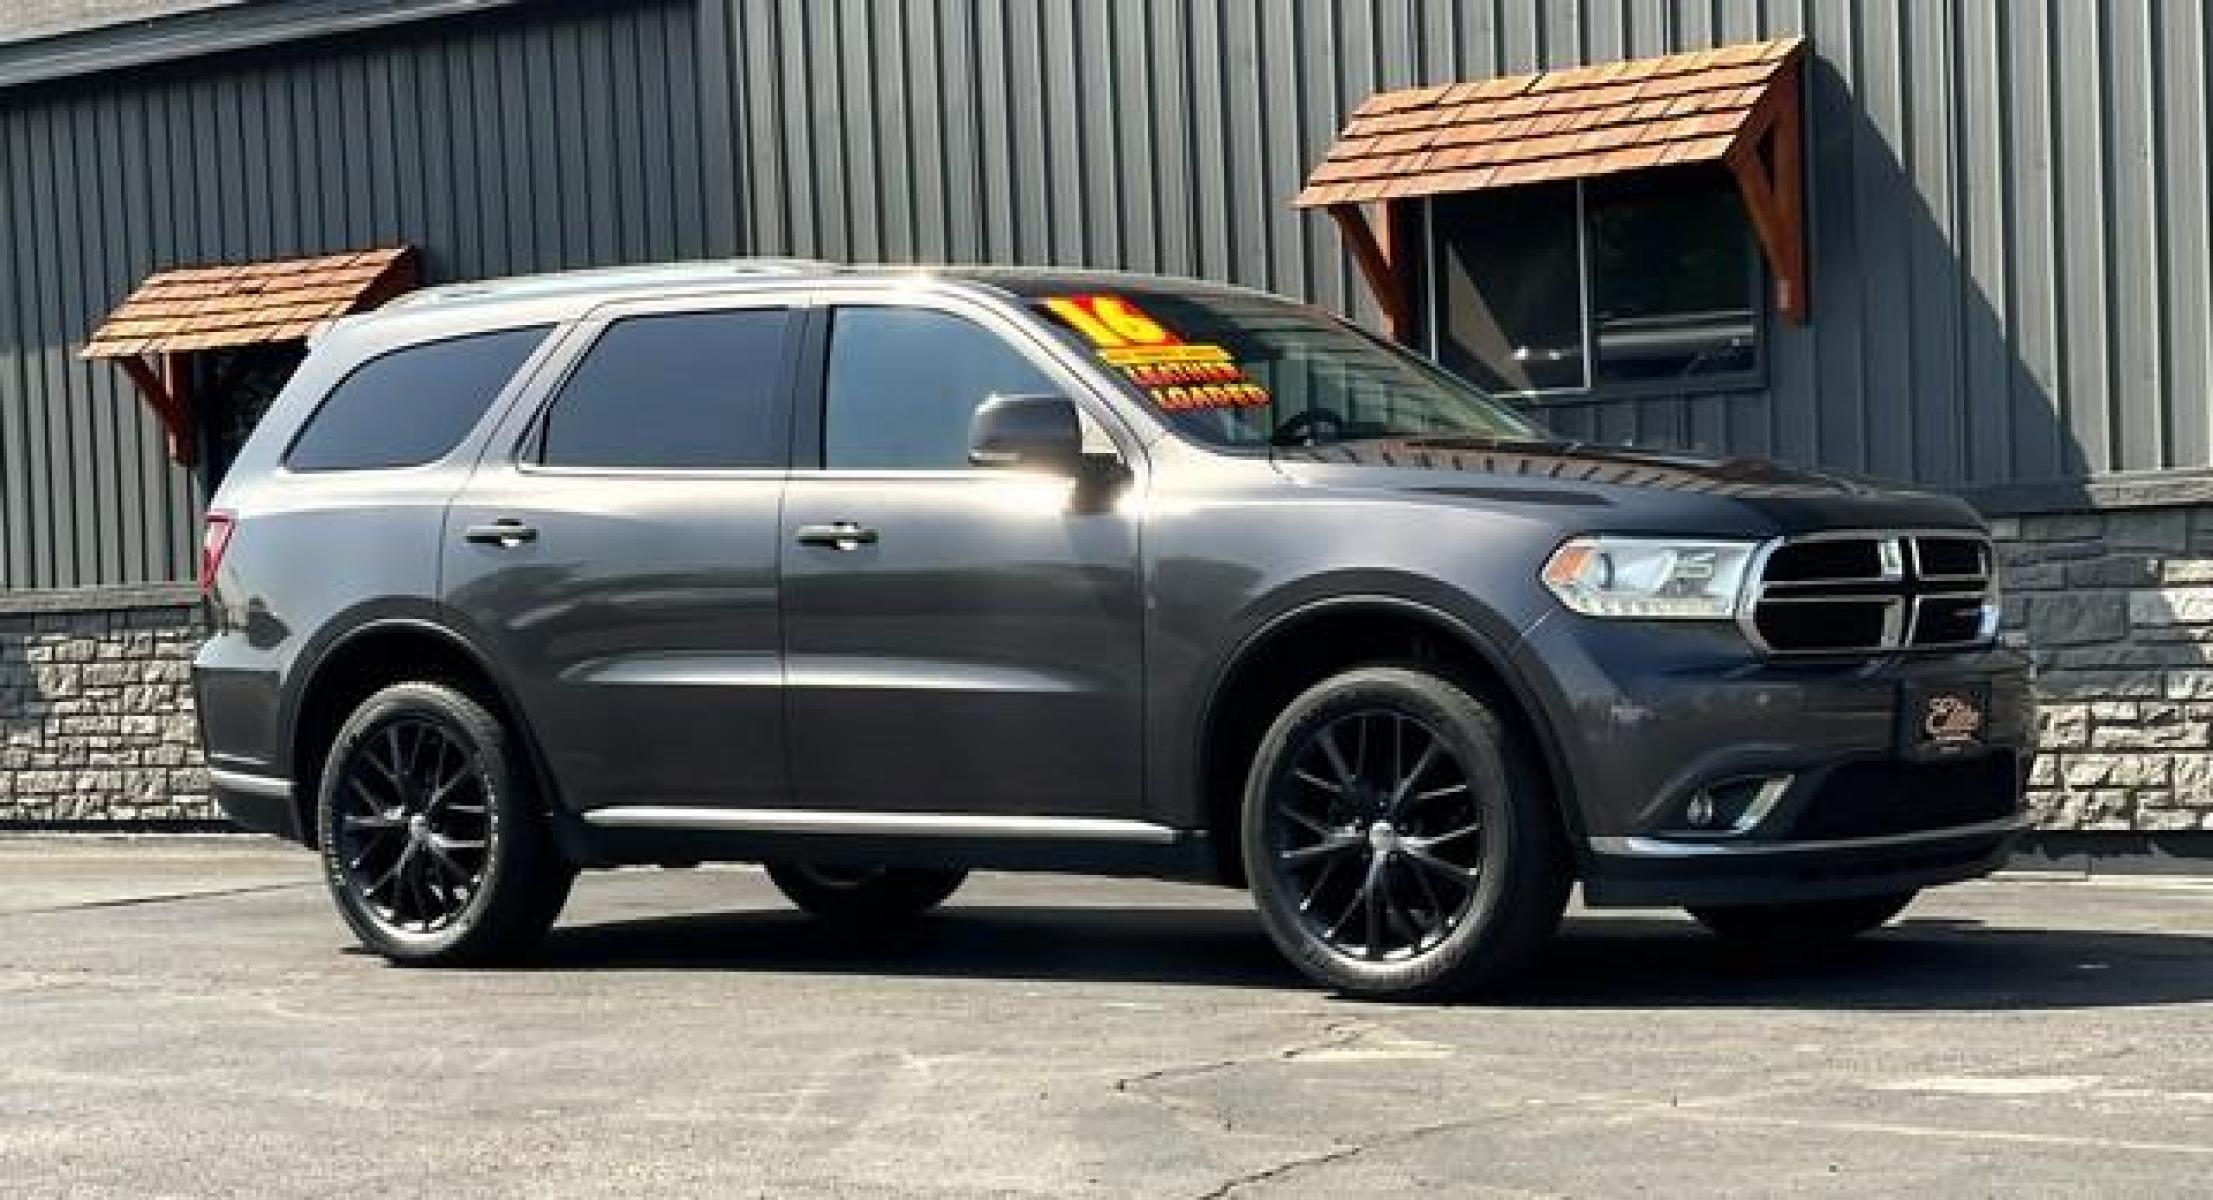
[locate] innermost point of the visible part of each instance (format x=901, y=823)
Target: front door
x=957, y=640
x=617, y=551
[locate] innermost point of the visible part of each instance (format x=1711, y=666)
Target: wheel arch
x=372, y=654
x=1306, y=642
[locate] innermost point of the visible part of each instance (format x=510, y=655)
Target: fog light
x=1734, y=806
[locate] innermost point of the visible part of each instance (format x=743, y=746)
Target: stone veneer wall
x=2116, y=609
x=96, y=720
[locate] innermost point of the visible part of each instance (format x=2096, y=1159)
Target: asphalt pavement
x=187, y=1017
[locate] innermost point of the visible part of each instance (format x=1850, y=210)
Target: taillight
x=214, y=540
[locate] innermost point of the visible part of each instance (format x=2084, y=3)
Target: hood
x=1631, y=487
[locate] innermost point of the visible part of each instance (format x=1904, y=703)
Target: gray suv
x=878, y=576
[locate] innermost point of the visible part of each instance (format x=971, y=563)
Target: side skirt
x=1083, y=845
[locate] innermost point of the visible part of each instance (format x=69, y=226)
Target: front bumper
x=1648, y=717
x=1654, y=873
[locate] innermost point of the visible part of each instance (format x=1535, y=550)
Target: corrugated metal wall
x=2010, y=197
x=518, y=142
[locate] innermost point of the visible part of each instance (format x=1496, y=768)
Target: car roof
x=583, y=289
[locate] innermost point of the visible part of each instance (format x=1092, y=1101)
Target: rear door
x=972, y=643
x=617, y=550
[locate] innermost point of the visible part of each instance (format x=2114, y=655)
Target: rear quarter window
x=411, y=406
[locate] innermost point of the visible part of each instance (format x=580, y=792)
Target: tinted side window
x=903, y=383
x=686, y=390
x=411, y=406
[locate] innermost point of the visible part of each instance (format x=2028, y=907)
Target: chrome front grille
x=1872, y=593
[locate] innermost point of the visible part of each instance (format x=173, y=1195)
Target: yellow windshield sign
x=1175, y=374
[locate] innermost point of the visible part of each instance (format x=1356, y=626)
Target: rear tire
x=1812, y=923
x=1397, y=842
x=433, y=839
x=864, y=894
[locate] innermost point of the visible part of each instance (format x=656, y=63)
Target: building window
x=1648, y=281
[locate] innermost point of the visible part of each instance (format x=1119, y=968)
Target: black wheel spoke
x=1314, y=825
x=442, y=857
x=1306, y=776
x=387, y=765
x=1336, y=927
x=358, y=790
x=1336, y=755
x=395, y=754
x=1398, y=749
x=1371, y=894
x=1433, y=865
x=1335, y=843
x=390, y=874
x=1435, y=793
x=445, y=788
x=1431, y=843
x=1407, y=779
x=418, y=888
x=1440, y=917
x=1321, y=881
x=1401, y=921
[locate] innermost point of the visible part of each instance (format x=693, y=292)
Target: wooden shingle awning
x=210, y=308
x=190, y=309
x=1736, y=105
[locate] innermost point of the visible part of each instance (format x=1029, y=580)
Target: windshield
x=1245, y=371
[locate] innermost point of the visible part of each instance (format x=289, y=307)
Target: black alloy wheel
x=1378, y=834
x=434, y=843
x=415, y=827
x=1396, y=839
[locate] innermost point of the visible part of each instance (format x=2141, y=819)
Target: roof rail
x=595, y=279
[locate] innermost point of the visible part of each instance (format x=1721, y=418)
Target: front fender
x=1191, y=712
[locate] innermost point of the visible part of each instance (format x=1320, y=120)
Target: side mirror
x=1029, y=433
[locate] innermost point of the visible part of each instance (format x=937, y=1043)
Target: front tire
x=864, y=895
x=1397, y=843
x=433, y=839
x=1811, y=923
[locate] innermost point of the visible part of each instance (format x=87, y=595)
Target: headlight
x=1666, y=578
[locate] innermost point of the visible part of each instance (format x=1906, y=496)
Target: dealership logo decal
x=1952, y=719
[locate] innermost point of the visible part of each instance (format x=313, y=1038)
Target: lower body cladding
x=1702, y=774
x=257, y=803
x=683, y=836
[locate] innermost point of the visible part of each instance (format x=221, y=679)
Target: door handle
x=840, y=535
x=504, y=532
